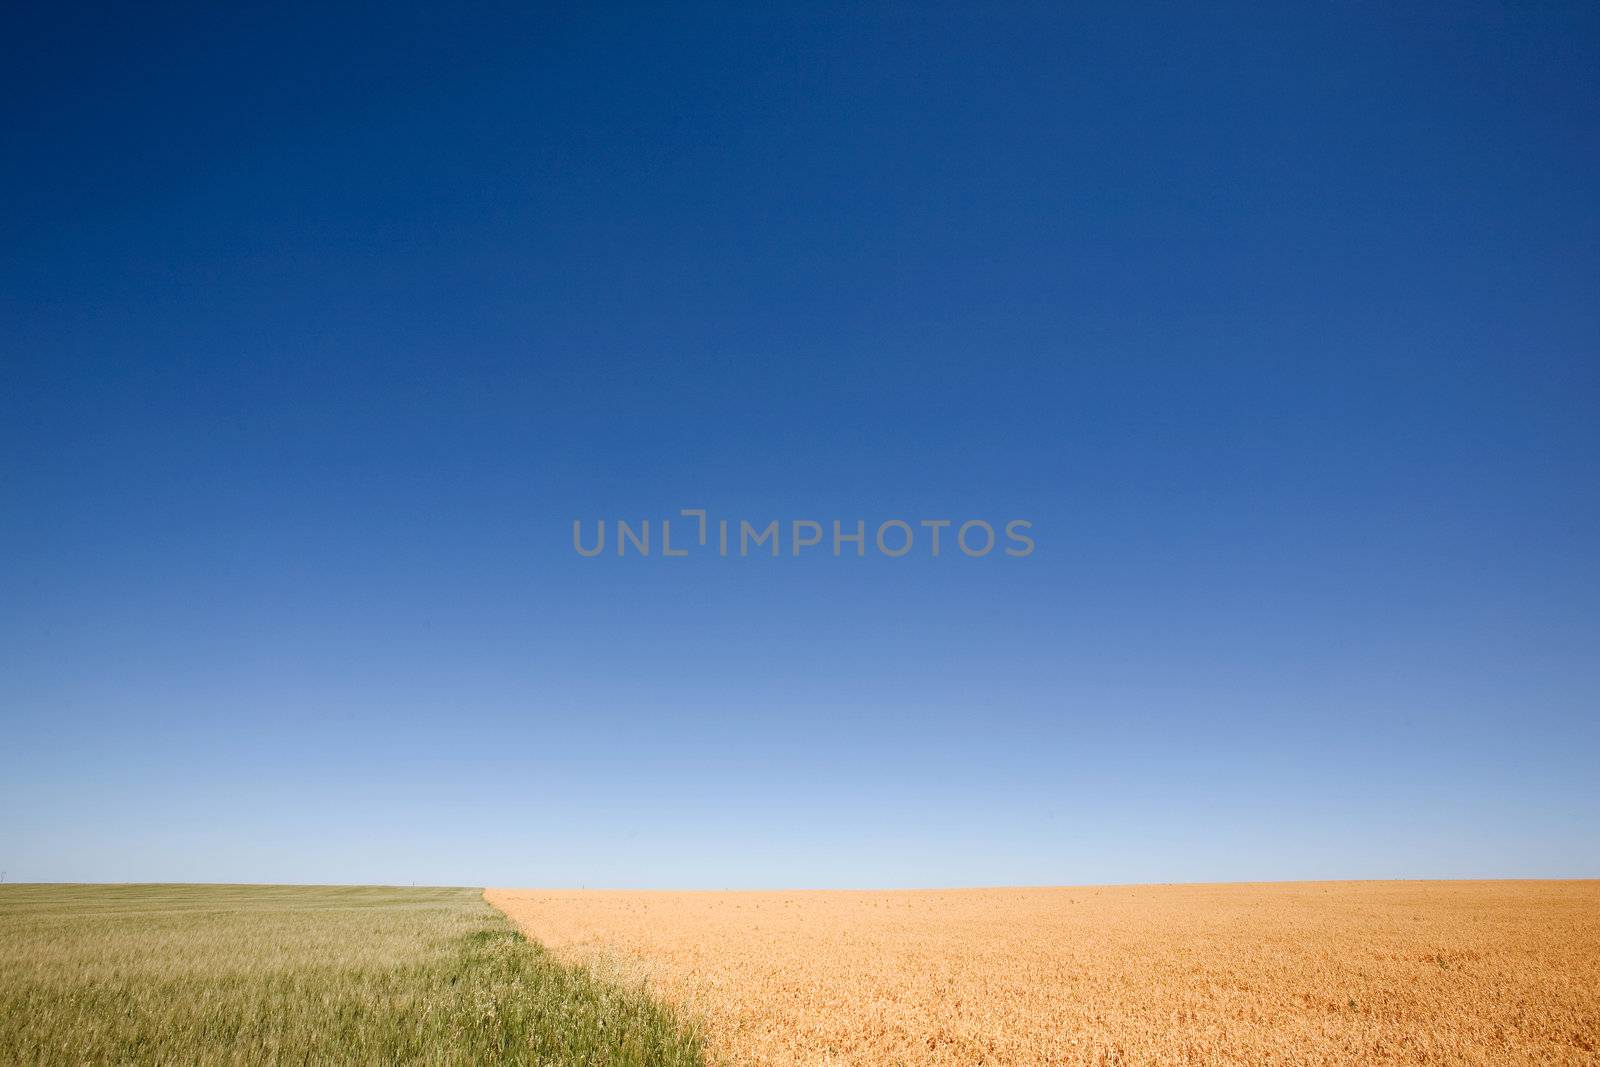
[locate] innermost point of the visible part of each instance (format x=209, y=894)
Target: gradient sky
x=322, y=325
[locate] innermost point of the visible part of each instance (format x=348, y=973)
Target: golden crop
x=1305, y=973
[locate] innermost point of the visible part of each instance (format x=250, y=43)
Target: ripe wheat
x=1308, y=973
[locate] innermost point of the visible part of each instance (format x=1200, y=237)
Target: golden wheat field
x=1301, y=973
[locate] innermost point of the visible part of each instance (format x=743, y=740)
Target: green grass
x=175, y=974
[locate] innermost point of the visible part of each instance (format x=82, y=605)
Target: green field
x=183, y=974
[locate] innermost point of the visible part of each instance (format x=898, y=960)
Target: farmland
x=1299, y=973
x=305, y=975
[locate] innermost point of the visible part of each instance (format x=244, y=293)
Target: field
x=301, y=975
x=1309, y=973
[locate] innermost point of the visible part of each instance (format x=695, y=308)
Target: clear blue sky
x=322, y=325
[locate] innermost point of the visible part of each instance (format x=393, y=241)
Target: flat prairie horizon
x=1489, y=971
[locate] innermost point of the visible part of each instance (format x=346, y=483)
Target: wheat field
x=1303, y=973
x=239, y=976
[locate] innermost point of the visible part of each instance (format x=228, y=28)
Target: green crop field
x=183, y=974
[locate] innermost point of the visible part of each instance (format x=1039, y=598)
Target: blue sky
x=322, y=325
